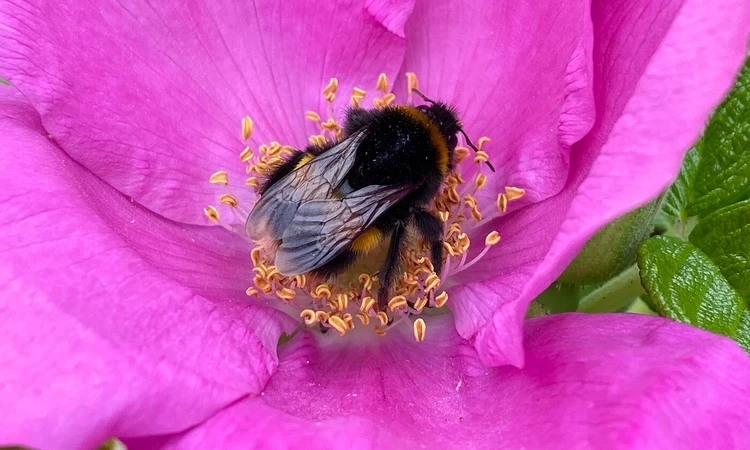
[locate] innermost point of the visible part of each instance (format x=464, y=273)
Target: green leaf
x=723, y=175
x=725, y=237
x=684, y=284
x=678, y=195
x=612, y=249
x=5, y=82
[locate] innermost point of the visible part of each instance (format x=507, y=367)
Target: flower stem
x=615, y=294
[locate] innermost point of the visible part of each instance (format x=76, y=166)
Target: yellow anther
x=331, y=87
x=247, y=128
x=219, y=177
x=367, y=304
x=382, y=317
x=420, y=303
x=255, y=256
x=492, y=238
x=480, y=181
x=228, y=199
x=461, y=153
x=317, y=139
x=444, y=215
x=470, y=200
x=475, y=214
x=420, y=328
x=364, y=318
x=379, y=331
x=355, y=101
x=514, y=193
x=481, y=157
x=330, y=125
x=431, y=282
x=482, y=140
x=246, y=154
x=502, y=202
x=322, y=290
x=300, y=280
x=321, y=316
x=365, y=279
x=262, y=284
x=286, y=293
x=388, y=99
x=397, y=302
x=342, y=302
x=309, y=316
x=252, y=182
x=382, y=85
x=252, y=292
x=441, y=299
x=357, y=92
x=211, y=213
x=348, y=321
x=449, y=248
x=411, y=82
x=312, y=115
x=453, y=195
x=339, y=324
x=330, y=97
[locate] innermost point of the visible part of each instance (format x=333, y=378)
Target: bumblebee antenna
x=461, y=130
x=424, y=97
x=476, y=150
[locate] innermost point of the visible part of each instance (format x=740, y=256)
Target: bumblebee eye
x=452, y=141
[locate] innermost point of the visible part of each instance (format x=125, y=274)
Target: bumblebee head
x=446, y=119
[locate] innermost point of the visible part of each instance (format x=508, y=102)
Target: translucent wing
x=317, y=179
x=312, y=225
x=321, y=229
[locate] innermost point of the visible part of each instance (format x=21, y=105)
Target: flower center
x=349, y=301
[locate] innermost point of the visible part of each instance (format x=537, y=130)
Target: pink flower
x=124, y=315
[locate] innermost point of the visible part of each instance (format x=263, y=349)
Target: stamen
x=382, y=85
x=396, y=303
x=420, y=328
x=331, y=87
x=219, y=177
x=481, y=142
x=480, y=180
x=492, y=238
x=481, y=156
x=247, y=128
x=441, y=299
x=228, y=199
x=246, y=154
x=357, y=96
x=364, y=318
x=411, y=82
x=338, y=323
x=502, y=202
x=313, y=116
x=318, y=139
x=309, y=316
x=382, y=317
x=252, y=292
x=211, y=213
x=514, y=193
x=367, y=304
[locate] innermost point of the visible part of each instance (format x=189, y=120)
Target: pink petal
x=115, y=321
x=659, y=67
x=590, y=381
x=519, y=73
x=149, y=96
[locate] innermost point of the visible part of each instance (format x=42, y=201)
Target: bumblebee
x=330, y=205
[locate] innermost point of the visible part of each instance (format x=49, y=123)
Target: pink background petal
x=659, y=68
x=591, y=381
x=115, y=321
x=518, y=72
x=149, y=96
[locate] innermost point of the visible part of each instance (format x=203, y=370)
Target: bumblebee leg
x=431, y=229
x=390, y=268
